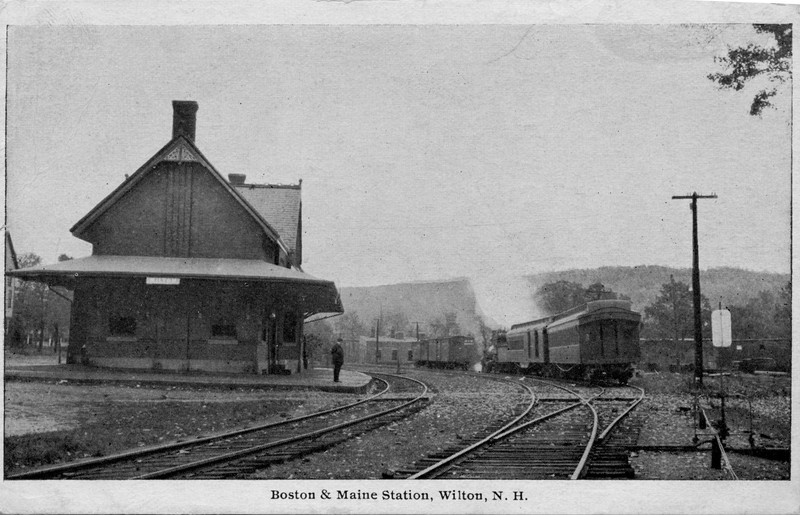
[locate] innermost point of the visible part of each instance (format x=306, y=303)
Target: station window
x=223, y=329
x=410, y=355
x=122, y=326
x=394, y=355
x=536, y=342
x=289, y=327
x=378, y=355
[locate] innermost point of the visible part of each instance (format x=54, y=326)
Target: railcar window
x=394, y=355
x=516, y=342
x=536, y=342
x=410, y=355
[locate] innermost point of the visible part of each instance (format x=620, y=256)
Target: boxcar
x=449, y=352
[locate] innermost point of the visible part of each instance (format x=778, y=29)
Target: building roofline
x=89, y=218
x=10, y=245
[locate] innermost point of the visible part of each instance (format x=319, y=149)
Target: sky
x=426, y=152
x=478, y=139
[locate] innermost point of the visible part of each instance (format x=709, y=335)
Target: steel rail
x=511, y=428
x=728, y=466
x=305, y=436
x=613, y=424
x=105, y=460
x=529, y=423
x=580, y=469
x=470, y=448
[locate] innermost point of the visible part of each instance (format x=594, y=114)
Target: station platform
x=312, y=378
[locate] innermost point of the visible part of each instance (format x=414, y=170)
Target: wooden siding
x=180, y=210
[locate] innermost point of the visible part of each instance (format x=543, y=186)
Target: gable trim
x=179, y=149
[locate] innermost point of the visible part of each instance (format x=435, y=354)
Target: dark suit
x=337, y=353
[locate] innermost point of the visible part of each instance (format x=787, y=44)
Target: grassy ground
x=100, y=428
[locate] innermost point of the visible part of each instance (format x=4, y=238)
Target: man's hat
x=339, y=340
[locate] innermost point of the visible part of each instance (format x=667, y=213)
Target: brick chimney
x=184, y=118
x=236, y=178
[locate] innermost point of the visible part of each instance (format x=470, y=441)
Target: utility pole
x=698, y=323
x=377, y=340
x=675, y=323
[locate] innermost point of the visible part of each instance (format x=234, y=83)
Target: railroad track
x=238, y=454
x=563, y=436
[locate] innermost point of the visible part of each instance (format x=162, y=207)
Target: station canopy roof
x=315, y=295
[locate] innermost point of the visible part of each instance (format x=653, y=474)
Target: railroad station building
x=190, y=271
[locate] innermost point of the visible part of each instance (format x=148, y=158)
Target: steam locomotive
x=598, y=340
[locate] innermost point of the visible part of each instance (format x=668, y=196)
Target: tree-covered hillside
x=643, y=283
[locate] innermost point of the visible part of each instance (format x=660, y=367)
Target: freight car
x=450, y=352
x=597, y=340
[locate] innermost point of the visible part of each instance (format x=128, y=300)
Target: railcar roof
x=576, y=312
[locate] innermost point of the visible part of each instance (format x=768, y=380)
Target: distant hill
x=643, y=283
x=424, y=301
x=420, y=301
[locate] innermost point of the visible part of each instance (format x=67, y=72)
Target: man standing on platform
x=337, y=353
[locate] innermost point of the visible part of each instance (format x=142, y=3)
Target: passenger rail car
x=597, y=340
x=450, y=352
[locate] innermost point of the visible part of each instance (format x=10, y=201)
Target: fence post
x=716, y=454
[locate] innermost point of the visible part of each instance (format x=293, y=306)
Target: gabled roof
x=280, y=204
x=178, y=149
x=11, y=253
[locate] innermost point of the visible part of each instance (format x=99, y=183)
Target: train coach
x=597, y=340
x=450, y=352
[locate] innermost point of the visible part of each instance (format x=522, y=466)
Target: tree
x=598, y=291
x=317, y=335
x=444, y=326
x=562, y=295
x=771, y=63
x=349, y=326
x=671, y=315
x=559, y=296
x=39, y=311
x=783, y=312
x=394, y=322
x=756, y=318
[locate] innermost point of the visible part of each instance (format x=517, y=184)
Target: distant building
x=387, y=350
x=190, y=271
x=11, y=283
